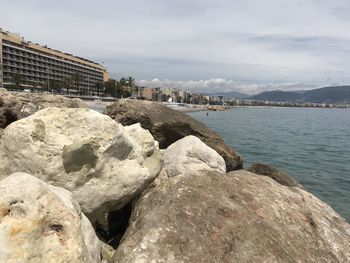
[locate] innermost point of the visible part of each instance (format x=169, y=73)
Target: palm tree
x=131, y=83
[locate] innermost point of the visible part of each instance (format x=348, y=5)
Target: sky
x=206, y=45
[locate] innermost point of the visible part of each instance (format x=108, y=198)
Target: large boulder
x=17, y=105
x=102, y=163
x=43, y=223
x=238, y=217
x=168, y=125
x=276, y=174
x=189, y=155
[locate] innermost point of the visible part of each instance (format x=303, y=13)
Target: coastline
x=154, y=178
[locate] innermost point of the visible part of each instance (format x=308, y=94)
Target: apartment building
x=40, y=66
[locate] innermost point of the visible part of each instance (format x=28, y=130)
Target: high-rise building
x=42, y=67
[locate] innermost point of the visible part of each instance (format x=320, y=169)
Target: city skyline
x=205, y=46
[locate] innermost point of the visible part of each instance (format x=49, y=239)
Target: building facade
x=33, y=65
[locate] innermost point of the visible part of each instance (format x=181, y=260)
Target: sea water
x=312, y=145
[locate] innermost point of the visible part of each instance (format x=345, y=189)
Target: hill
x=277, y=95
x=334, y=95
x=231, y=94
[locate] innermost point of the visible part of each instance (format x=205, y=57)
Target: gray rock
x=276, y=174
x=238, y=217
x=168, y=125
x=43, y=223
x=102, y=163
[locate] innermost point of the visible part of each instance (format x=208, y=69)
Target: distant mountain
x=340, y=94
x=334, y=95
x=231, y=94
x=277, y=95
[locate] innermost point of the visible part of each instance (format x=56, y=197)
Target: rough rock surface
x=17, y=105
x=107, y=253
x=168, y=125
x=276, y=174
x=42, y=223
x=189, y=155
x=238, y=217
x=102, y=163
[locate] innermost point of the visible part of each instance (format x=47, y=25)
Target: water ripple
x=313, y=145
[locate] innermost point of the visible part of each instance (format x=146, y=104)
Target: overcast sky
x=206, y=45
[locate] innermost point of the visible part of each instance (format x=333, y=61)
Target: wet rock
x=276, y=174
x=43, y=223
x=189, y=155
x=238, y=217
x=168, y=125
x=102, y=163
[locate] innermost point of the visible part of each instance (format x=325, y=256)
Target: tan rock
x=107, y=253
x=43, y=223
x=238, y=217
x=84, y=152
x=276, y=174
x=168, y=125
x=17, y=105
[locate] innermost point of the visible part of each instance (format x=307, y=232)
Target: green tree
x=123, y=82
x=110, y=88
x=17, y=79
x=57, y=86
x=77, y=78
x=130, y=82
x=99, y=87
x=68, y=83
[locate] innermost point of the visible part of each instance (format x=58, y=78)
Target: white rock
x=190, y=154
x=43, y=223
x=85, y=152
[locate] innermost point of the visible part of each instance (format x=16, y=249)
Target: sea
x=312, y=145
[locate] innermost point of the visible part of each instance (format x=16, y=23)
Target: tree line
x=76, y=84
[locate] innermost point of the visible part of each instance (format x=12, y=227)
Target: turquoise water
x=312, y=145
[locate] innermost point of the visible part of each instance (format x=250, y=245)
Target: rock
x=168, y=125
x=276, y=174
x=238, y=217
x=118, y=222
x=189, y=155
x=107, y=253
x=102, y=163
x=18, y=105
x=43, y=223
x=111, y=228
x=1, y=132
x=10, y=107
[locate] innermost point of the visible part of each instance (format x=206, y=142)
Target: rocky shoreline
x=146, y=183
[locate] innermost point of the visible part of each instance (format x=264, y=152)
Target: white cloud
x=246, y=41
x=219, y=85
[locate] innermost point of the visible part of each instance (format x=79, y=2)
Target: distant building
x=38, y=65
x=149, y=93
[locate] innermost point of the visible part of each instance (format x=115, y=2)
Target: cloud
x=220, y=85
x=250, y=41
